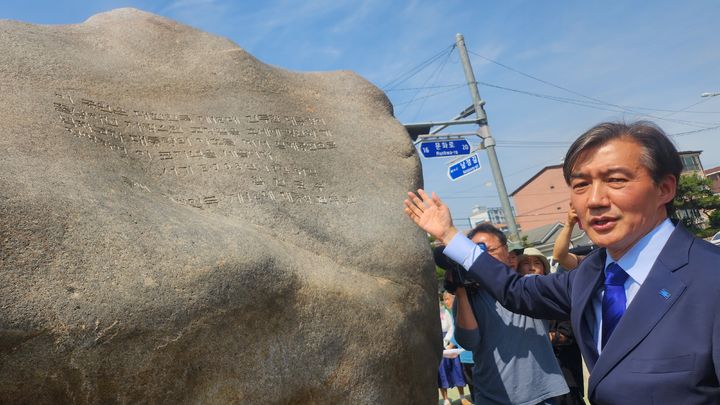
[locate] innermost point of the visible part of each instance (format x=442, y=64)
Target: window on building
x=690, y=162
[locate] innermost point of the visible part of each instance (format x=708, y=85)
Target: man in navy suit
x=646, y=307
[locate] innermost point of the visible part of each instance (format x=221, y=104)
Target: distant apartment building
x=691, y=162
x=494, y=215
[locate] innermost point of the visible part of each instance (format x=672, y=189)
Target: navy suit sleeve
x=716, y=345
x=544, y=297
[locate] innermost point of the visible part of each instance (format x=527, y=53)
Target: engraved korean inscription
x=256, y=149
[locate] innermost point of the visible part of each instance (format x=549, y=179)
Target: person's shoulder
x=706, y=246
x=704, y=260
x=705, y=252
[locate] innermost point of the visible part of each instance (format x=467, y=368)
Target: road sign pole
x=488, y=142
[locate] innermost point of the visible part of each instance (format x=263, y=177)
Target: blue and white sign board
x=464, y=167
x=445, y=148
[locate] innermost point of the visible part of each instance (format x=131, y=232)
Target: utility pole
x=488, y=141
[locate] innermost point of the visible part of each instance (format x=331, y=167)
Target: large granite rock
x=181, y=223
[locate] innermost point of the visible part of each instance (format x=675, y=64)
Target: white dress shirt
x=637, y=263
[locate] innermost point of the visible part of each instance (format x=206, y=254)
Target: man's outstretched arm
x=541, y=297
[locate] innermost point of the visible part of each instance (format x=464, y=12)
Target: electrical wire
x=617, y=106
x=437, y=75
x=432, y=76
x=428, y=96
x=592, y=105
x=417, y=69
x=693, y=132
x=429, y=87
x=559, y=98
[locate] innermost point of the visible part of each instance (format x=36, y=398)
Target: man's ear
x=667, y=189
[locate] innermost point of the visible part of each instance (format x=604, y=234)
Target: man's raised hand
x=431, y=215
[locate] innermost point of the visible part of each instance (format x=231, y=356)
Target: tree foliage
x=715, y=219
x=694, y=197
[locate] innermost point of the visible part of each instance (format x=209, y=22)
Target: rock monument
x=181, y=223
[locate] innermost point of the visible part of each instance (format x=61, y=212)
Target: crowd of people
x=641, y=310
x=532, y=379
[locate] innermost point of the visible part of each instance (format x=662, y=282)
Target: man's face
x=531, y=265
x=495, y=248
x=616, y=200
x=448, y=300
x=513, y=259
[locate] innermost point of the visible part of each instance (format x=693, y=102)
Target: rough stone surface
x=181, y=223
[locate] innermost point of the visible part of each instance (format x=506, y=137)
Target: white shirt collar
x=638, y=261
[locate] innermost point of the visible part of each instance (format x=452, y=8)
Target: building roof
x=543, y=237
x=541, y=234
x=690, y=152
x=536, y=176
x=714, y=170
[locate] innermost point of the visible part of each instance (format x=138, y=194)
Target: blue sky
x=619, y=60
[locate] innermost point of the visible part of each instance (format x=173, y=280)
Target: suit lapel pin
x=664, y=293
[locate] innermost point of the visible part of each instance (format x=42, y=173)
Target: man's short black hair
x=488, y=228
x=659, y=155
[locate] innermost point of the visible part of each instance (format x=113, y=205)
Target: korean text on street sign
x=445, y=148
x=464, y=167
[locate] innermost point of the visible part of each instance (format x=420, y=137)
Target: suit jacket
x=666, y=347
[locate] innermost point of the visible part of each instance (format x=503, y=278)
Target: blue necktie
x=614, y=300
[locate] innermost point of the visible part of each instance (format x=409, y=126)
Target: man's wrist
x=448, y=235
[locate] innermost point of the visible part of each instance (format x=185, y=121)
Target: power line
x=433, y=76
x=693, y=132
x=428, y=96
x=687, y=108
x=674, y=111
x=429, y=87
x=543, y=81
x=559, y=98
x=588, y=104
x=417, y=69
x=622, y=108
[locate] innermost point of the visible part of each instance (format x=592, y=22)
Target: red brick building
x=714, y=175
x=543, y=199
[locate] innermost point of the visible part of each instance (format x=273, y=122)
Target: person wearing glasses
x=514, y=360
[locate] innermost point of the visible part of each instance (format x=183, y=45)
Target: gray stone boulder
x=181, y=223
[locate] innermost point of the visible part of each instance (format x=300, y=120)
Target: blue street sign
x=464, y=167
x=445, y=148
